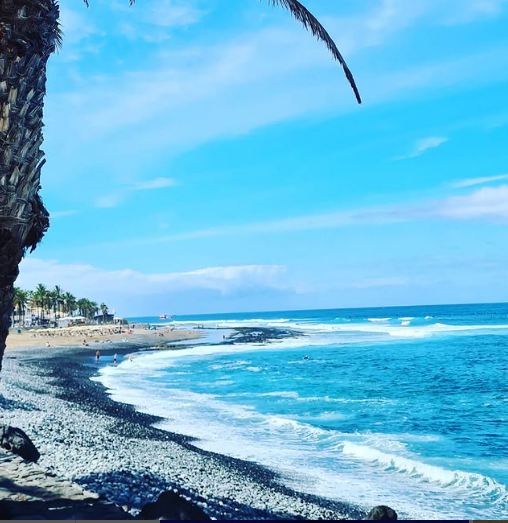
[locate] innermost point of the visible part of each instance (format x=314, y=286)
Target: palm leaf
x=311, y=23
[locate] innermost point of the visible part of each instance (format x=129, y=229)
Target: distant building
x=104, y=318
x=71, y=321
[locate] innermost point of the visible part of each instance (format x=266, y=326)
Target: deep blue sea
x=400, y=406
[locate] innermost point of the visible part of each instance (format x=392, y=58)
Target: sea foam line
x=474, y=484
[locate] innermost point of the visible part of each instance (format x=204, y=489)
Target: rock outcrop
x=382, y=513
x=16, y=441
x=173, y=507
x=28, y=492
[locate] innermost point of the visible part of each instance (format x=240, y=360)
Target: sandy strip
x=94, y=336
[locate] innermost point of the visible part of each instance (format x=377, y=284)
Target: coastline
x=111, y=449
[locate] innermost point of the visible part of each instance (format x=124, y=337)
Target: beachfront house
x=104, y=318
x=71, y=321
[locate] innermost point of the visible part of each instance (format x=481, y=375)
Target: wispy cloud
x=156, y=22
x=240, y=84
x=156, y=183
x=423, y=145
x=113, y=199
x=471, y=182
x=483, y=204
x=474, y=10
x=172, y=13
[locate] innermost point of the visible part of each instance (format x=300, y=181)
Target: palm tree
x=29, y=34
x=82, y=305
x=57, y=301
x=40, y=299
x=104, y=311
x=69, y=303
x=20, y=302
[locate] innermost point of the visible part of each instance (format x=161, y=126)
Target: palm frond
x=311, y=23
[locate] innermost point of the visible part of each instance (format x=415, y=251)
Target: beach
x=95, y=335
x=112, y=450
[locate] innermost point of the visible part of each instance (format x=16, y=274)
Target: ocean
x=403, y=406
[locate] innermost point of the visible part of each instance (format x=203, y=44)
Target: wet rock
x=174, y=507
x=382, y=513
x=16, y=441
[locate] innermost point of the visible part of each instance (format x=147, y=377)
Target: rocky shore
x=109, y=449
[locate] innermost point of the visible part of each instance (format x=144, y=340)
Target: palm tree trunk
x=28, y=35
x=9, y=261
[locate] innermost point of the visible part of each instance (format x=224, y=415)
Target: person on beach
x=97, y=356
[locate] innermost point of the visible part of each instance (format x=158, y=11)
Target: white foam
x=359, y=467
x=473, y=484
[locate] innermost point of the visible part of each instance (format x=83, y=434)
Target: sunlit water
x=400, y=406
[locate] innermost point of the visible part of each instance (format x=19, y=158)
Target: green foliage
x=44, y=301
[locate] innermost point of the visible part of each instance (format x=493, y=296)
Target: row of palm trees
x=53, y=303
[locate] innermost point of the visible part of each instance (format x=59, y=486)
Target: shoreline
x=111, y=449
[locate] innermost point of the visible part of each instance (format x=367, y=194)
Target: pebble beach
x=115, y=452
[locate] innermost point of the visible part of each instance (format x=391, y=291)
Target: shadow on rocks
x=174, y=507
x=8, y=405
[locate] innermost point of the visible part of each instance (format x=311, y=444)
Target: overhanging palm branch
x=311, y=23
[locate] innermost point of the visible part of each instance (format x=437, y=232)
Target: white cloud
x=486, y=203
x=118, y=285
x=423, y=145
x=471, y=182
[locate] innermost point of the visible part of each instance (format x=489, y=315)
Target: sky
x=209, y=156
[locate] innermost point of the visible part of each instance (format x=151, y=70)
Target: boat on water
x=163, y=317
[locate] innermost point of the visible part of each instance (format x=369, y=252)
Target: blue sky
x=208, y=156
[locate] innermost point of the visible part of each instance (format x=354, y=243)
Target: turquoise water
x=401, y=406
